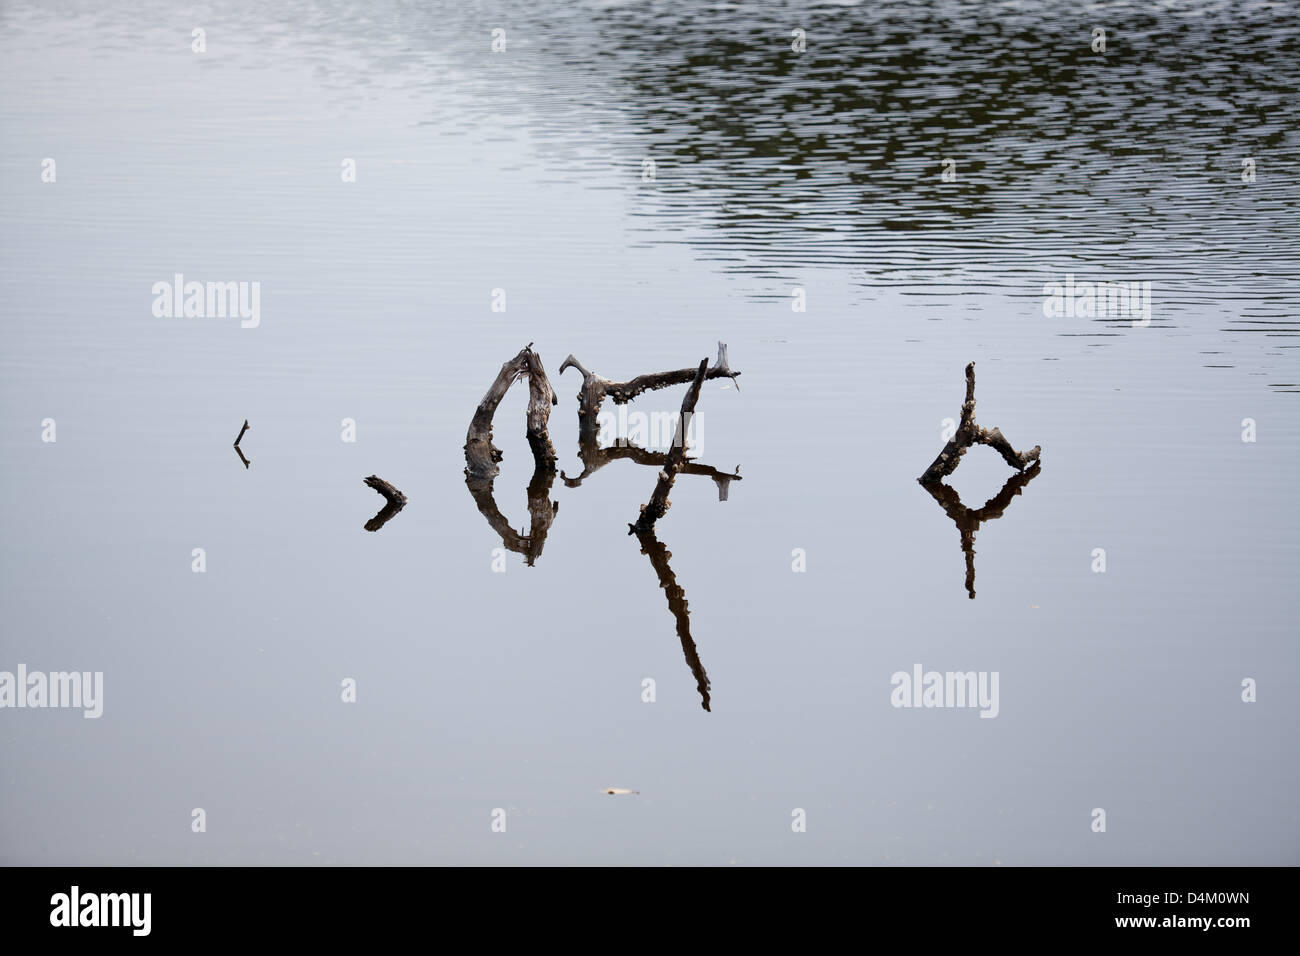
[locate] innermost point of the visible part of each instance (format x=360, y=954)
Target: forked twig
x=659, y=503
x=967, y=434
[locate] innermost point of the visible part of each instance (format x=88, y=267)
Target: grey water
x=635, y=182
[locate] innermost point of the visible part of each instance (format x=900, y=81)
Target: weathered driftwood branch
x=594, y=458
x=541, y=513
x=595, y=388
x=481, y=456
x=659, y=555
x=659, y=503
x=390, y=493
x=396, y=502
x=241, y=433
x=967, y=434
x=968, y=521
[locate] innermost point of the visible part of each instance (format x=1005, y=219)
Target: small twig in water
x=396, y=502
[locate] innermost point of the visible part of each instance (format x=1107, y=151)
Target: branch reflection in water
x=968, y=521
x=659, y=557
x=481, y=457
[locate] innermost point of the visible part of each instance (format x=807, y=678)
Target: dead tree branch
x=659, y=503
x=396, y=502
x=595, y=388
x=967, y=434
x=481, y=456
x=391, y=494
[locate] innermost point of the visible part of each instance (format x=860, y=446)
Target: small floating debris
x=239, y=451
x=617, y=791
x=396, y=502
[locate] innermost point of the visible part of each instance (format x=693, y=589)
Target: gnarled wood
x=396, y=502
x=595, y=388
x=967, y=434
x=481, y=456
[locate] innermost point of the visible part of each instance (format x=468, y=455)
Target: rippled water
x=1126, y=162
x=1123, y=161
x=777, y=177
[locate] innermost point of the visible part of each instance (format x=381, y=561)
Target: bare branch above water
x=595, y=388
x=481, y=456
x=967, y=434
x=659, y=503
